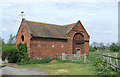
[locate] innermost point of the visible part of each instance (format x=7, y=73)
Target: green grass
x=105, y=53
x=101, y=52
x=64, y=68
x=67, y=68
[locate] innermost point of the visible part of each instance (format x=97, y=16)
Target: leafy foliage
x=10, y=53
x=103, y=69
x=101, y=66
x=92, y=49
x=114, y=47
x=1, y=43
x=12, y=39
x=13, y=55
x=22, y=52
x=48, y=60
x=39, y=61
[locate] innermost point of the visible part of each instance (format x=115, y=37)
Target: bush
x=22, y=52
x=103, y=69
x=40, y=61
x=12, y=55
x=9, y=52
x=91, y=49
x=48, y=60
x=114, y=47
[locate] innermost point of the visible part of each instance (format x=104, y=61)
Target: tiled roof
x=39, y=29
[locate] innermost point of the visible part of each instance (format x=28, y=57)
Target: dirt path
x=20, y=71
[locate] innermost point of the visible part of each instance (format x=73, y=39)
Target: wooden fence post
x=116, y=62
x=119, y=62
x=107, y=60
x=110, y=60
x=100, y=57
x=103, y=58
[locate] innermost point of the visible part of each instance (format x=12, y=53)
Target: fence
x=111, y=60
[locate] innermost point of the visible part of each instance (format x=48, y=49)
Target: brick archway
x=78, y=42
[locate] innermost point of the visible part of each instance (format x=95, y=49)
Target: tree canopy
x=12, y=39
x=1, y=43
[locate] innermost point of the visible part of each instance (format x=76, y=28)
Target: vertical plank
x=110, y=60
x=100, y=56
x=116, y=62
x=107, y=59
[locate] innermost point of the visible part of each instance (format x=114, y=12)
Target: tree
x=102, y=47
x=114, y=47
x=12, y=39
x=10, y=53
x=118, y=44
x=95, y=45
x=108, y=44
x=1, y=43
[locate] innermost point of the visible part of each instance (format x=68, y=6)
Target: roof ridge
x=51, y=24
x=68, y=24
x=40, y=29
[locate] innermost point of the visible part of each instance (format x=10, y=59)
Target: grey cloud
x=94, y=16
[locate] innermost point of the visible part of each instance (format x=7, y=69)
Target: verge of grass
x=101, y=52
x=64, y=68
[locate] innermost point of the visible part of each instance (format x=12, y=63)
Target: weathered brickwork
x=41, y=47
x=24, y=31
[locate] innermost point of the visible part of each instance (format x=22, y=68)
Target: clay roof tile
x=39, y=29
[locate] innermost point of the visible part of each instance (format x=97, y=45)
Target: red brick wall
x=24, y=31
x=43, y=47
x=79, y=29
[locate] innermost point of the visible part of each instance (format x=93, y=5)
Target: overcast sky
x=99, y=17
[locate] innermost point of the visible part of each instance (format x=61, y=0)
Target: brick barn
x=48, y=40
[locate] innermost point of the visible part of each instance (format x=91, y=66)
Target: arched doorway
x=78, y=43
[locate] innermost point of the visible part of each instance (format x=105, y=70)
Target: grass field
x=60, y=68
x=64, y=68
x=102, y=52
